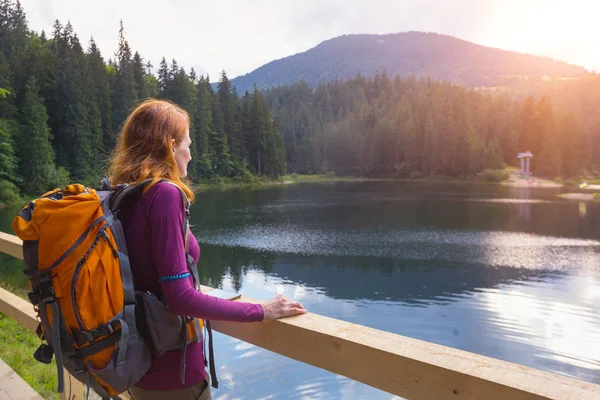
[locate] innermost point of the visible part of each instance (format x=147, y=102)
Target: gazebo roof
x=525, y=155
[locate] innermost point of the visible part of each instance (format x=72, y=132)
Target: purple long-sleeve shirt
x=155, y=241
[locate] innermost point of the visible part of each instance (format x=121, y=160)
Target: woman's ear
x=173, y=145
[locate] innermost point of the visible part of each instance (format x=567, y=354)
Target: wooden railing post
x=73, y=388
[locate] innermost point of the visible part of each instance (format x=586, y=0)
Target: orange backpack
x=83, y=292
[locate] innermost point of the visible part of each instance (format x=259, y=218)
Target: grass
x=329, y=177
x=256, y=182
x=17, y=345
x=594, y=181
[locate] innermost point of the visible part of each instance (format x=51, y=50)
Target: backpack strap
x=127, y=318
x=129, y=332
x=186, y=235
x=193, y=268
x=123, y=191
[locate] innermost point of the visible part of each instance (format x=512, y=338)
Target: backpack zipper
x=100, y=234
x=105, y=236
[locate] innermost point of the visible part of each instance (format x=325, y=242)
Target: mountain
x=437, y=56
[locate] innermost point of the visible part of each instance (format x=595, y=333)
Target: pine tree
x=87, y=141
x=5, y=22
x=221, y=161
x=34, y=150
x=183, y=92
x=139, y=76
x=74, y=113
x=101, y=95
x=549, y=162
x=276, y=160
x=477, y=156
x=7, y=107
x=571, y=138
x=125, y=93
x=227, y=97
x=204, y=129
x=258, y=133
x=494, y=159
x=163, y=77
x=245, y=113
x=17, y=38
x=9, y=193
x=8, y=160
x=63, y=107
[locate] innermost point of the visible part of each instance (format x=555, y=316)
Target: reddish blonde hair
x=144, y=148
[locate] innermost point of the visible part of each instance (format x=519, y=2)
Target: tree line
x=394, y=127
x=61, y=108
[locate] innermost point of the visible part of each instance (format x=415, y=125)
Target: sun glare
x=560, y=29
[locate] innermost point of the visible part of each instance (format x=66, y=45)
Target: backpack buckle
x=46, y=291
x=80, y=370
x=78, y=366
x=34, y=297
x=48, y=296
x=88, y=336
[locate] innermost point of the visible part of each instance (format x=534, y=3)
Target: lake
x=509, y=273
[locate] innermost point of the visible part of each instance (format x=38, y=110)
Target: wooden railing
x=406, y=367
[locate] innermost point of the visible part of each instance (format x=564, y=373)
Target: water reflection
x=517, y=250
x=412, y=282
x=525, y=206
x=582, y=209
x=535, y=323
x=556, y=317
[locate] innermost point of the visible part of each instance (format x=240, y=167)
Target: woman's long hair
x=145, y=145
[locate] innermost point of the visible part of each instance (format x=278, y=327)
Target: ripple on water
x=493, y=248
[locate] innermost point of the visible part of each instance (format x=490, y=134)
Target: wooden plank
x=11, y=244
x=13, y=387
x=399, y=365
x=18, y=309
x=406, y=367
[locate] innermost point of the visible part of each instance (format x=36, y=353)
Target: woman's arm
x=168, y=253
x=184, y=299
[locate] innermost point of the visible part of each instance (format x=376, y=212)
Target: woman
x=155, y=143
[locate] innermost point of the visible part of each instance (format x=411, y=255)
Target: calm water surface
x=510, y=273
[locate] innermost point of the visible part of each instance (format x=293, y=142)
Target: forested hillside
x=395, y=127
x=61, y=107
x=419, y=54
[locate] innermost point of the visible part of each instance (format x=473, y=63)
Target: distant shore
x=580, y=196
x=507, y=177
x=256, y=182
x=515, y=180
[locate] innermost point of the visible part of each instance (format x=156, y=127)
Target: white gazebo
x=525, y=163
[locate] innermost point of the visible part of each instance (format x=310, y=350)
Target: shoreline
x=513, y=180
x=533, y=183
x=257, y=183
x=580, y=196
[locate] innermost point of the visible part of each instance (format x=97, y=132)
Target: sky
x=239, y=36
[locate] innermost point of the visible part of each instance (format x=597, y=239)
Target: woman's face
x=182, y=154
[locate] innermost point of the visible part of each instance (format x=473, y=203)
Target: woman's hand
x=280, y=307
